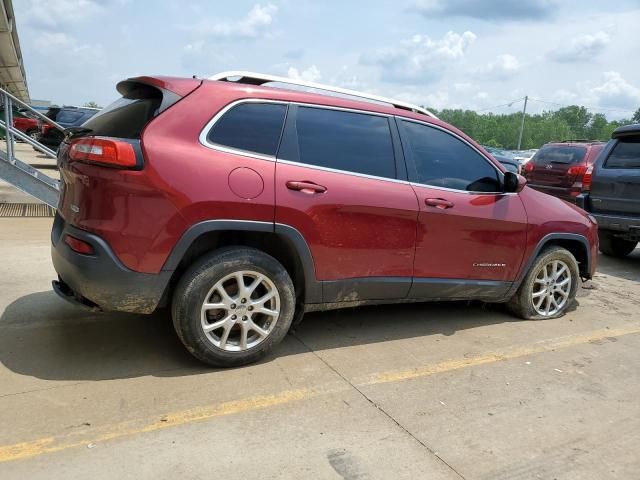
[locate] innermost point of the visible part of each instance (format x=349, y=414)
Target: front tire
x=615, y=246
x=233, y=306
x=549, y=287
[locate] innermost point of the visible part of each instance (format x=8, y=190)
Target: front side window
x=442, y=160
x=626, y=154
x=354, y=142
x=252, y=127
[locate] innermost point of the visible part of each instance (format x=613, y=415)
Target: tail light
x=528, y=167
x=103, y=151
x=577, y=170
x=587, y=178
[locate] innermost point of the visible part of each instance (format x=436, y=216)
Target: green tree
x=636, y=116
x=92, y=105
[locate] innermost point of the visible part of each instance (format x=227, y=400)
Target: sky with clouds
x=476, y=54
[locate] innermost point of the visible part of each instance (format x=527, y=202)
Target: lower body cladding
x=100, y=281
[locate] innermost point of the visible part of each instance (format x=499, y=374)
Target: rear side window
x=252, y=127
x=127, y=116
x=442, y=160
x=626, y=154
x=568, y=155
x=354, y=142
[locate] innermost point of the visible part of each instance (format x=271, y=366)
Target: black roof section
x=627, y=130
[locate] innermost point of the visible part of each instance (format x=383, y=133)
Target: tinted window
x=354, y=142
x=69, y=116
x=254, y=127
x=126, y=117
x=555, y=154
x=443, y=160
x=626, y=154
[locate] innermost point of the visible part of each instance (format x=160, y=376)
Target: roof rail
x=581, y=140
x=253, y=78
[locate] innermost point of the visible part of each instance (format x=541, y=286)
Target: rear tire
x=549, y=287
x=615, y=246
x=219, y=309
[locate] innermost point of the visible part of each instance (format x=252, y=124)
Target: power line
x=509, y=104
x=585, y=106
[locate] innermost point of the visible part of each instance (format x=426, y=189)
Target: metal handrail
x=26, y=138
x=31, y=109
x=260, y=78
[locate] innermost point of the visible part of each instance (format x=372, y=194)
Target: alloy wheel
x=240, y=311
x=551, y=288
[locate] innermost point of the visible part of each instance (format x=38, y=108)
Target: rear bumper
x=628, y=226
x=101, y=281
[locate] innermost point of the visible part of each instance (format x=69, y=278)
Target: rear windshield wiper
x=72, y=132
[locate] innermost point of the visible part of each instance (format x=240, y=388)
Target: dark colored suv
x=612, y=192
x=558, y=168
x=242, y=206
x=66, y=117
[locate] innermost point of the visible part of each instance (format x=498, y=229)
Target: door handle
x=305, y=187
x=440, y=203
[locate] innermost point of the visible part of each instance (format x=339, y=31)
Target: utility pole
x=524, y=112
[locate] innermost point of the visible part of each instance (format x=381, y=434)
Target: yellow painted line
x=34, y=448
x=41, y=446
x=507, y=354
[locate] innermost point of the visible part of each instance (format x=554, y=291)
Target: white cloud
x=616, y=92
x=254, y=24
x=421, y=57
x=583, y=47
x=311, y=74
x=44, y=14
x=504, y=66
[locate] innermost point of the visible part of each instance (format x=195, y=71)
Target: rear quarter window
x=626, y=154
x=555, y=154
x=250, y=127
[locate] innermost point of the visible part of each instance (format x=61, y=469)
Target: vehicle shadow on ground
x=44, y=337
x=627, y=267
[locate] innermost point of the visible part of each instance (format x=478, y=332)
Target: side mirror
x=513, y=182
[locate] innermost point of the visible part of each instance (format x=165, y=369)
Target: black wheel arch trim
x=544, y=241
x=312, y=288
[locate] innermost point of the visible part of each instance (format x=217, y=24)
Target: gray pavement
x=437, y=391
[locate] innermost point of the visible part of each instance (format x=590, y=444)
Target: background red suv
x=558, y=168
x=242, y=206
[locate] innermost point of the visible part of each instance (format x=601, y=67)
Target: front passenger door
x=471, y=235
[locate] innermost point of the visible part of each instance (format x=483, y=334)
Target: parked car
x=66, y=117
x=27, y=124
x=242, y=206
x=507, y=159
x=611, y=192
x=559, y=167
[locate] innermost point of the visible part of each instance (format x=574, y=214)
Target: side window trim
x=411, y=165
x=237, y=151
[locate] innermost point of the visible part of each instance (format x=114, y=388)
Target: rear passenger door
x=616, y=180
x=341, y=182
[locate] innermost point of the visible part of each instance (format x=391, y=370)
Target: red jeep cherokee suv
x=242, y=206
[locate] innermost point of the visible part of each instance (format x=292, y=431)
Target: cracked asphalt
x=437, y=391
